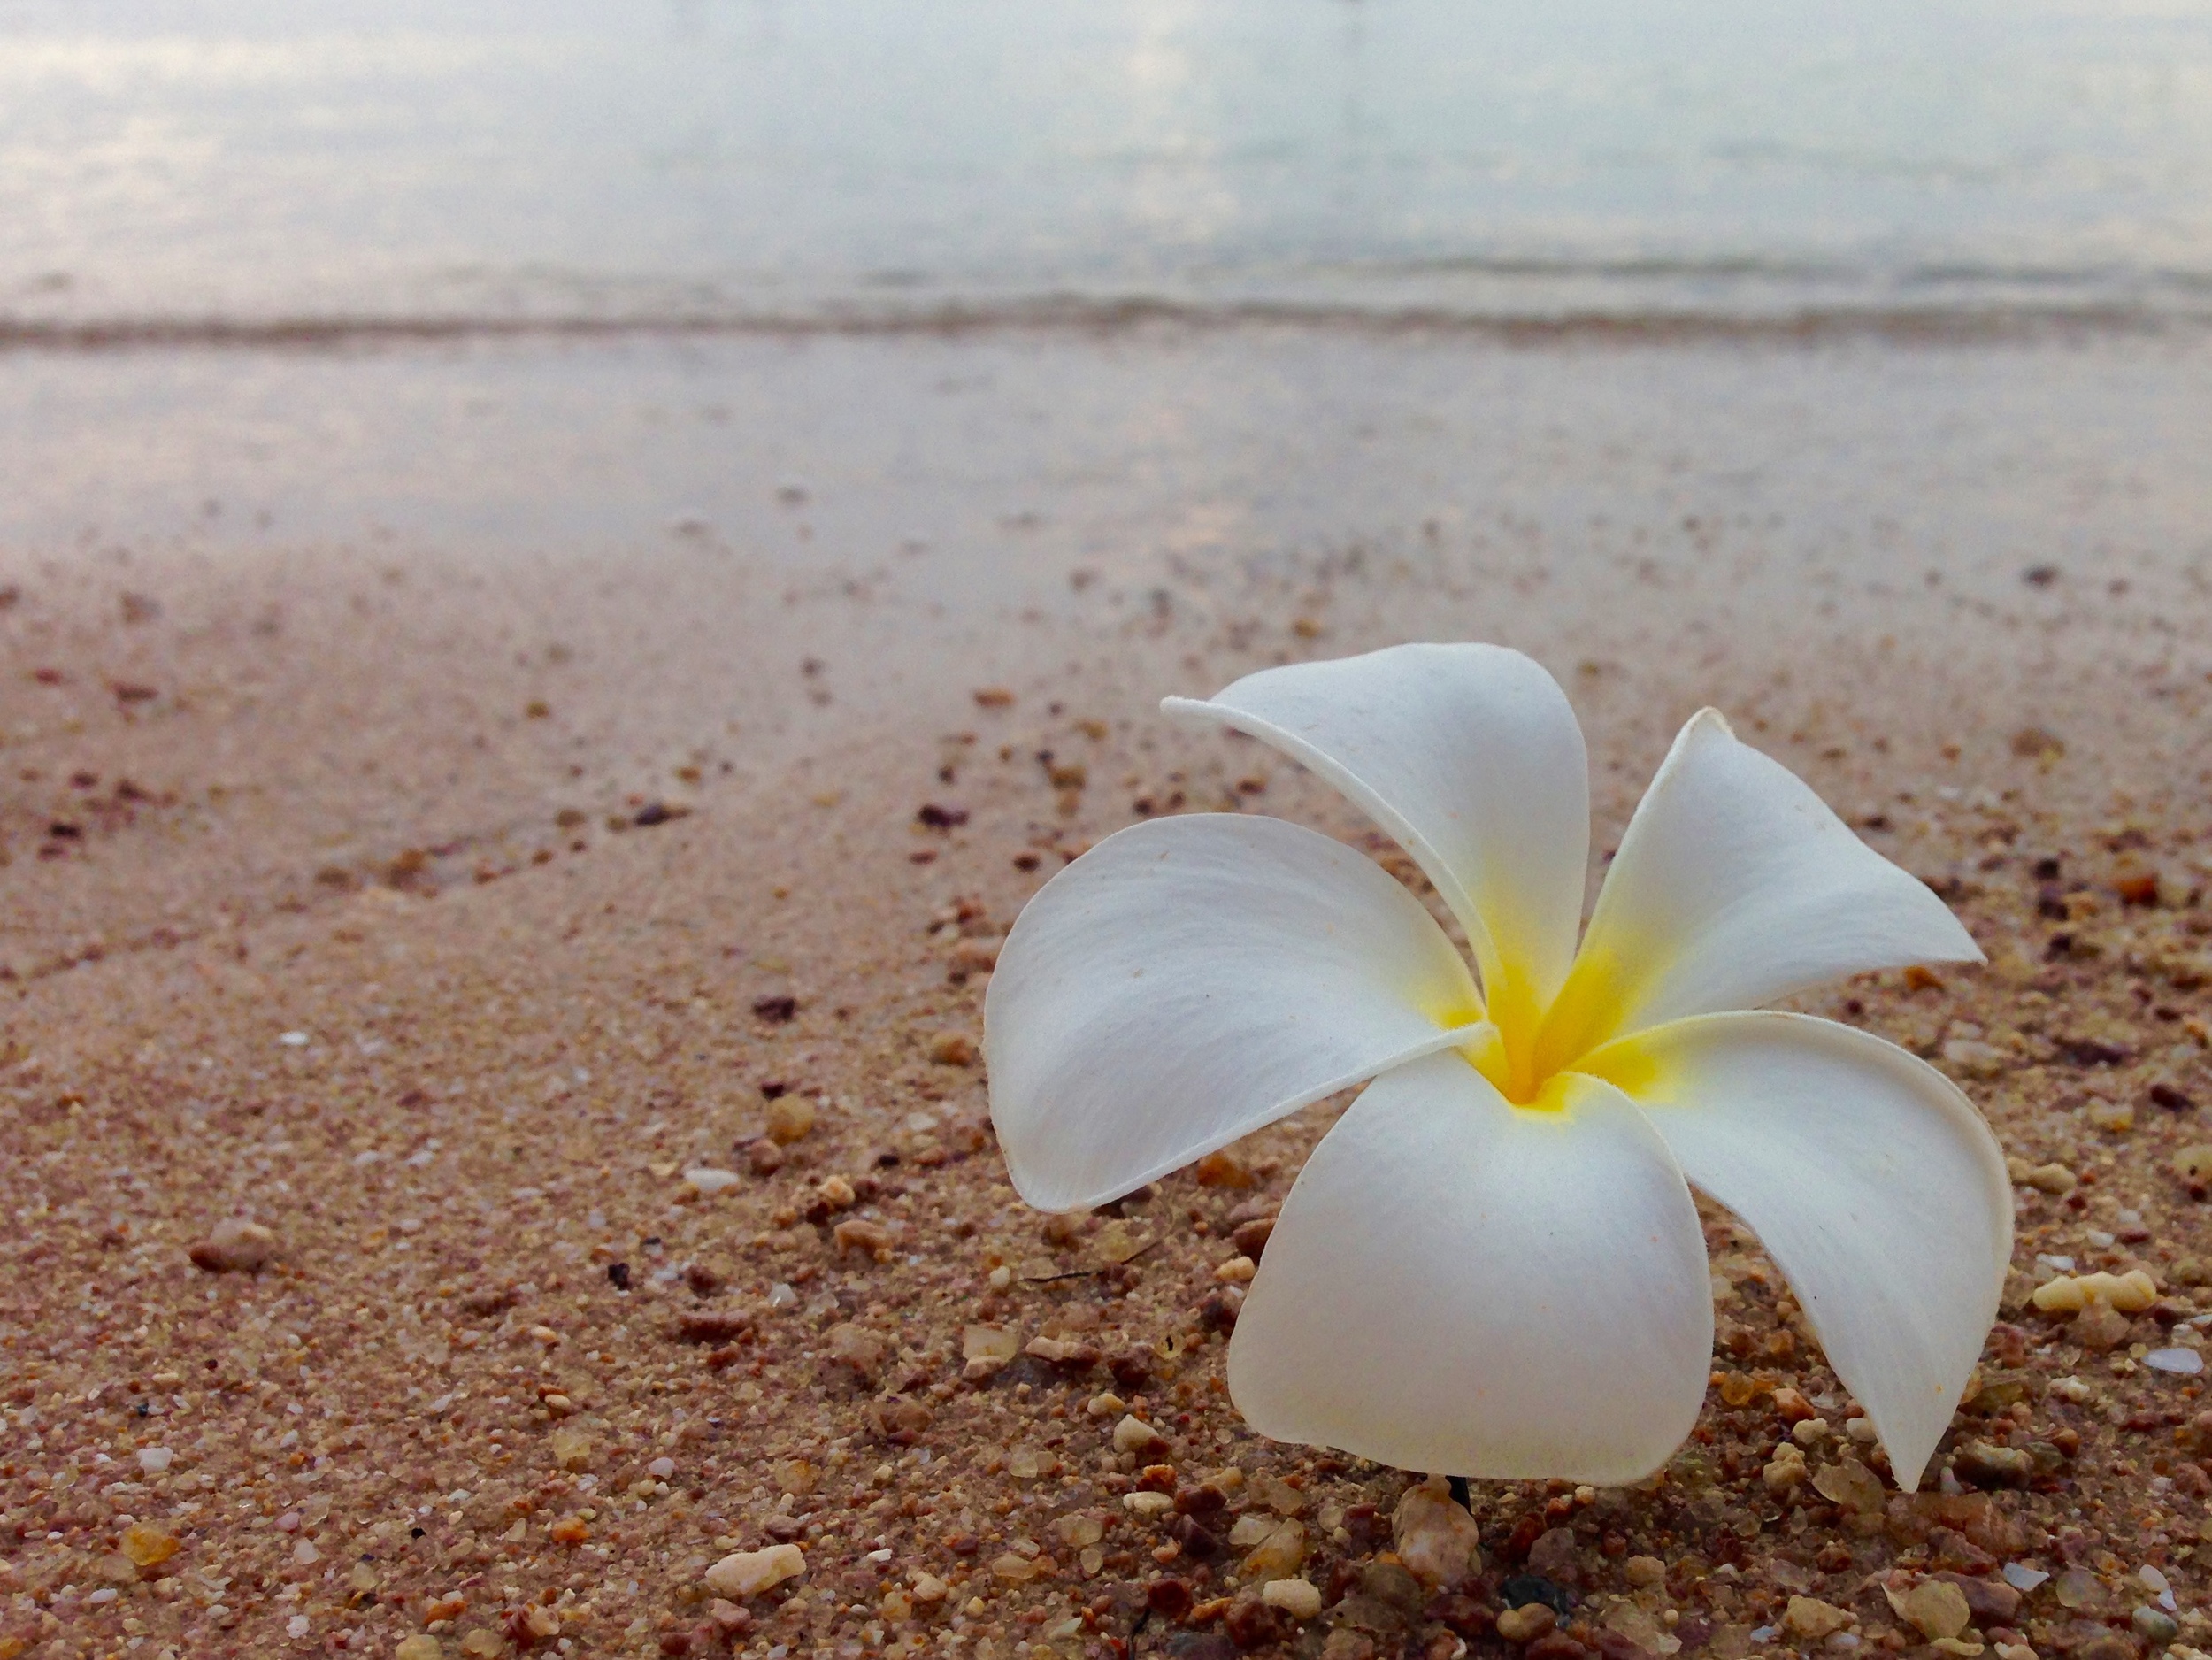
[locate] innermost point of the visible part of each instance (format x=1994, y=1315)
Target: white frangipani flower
x=1491, y=1266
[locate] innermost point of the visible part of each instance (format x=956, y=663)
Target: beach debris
x=1150, y=962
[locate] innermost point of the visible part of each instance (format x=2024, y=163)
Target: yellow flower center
x=1538, y=1043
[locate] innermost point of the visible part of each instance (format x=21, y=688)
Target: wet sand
x=530, y=812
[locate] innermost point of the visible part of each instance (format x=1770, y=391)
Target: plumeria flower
x=1492, y=1264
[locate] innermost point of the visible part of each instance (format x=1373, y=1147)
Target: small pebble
x=1810, y=1618
x=1980, y=1463
x=235, y=1246
x=748, y=1573
x=2154, y=1624
x=1526, y=1623
x=149, y=1546
x=1133, y=1435
x=1786, y=1468
x=2131, y=1293
x=1298, y=1598
x=1222, y=1169
x=1279, y=1554
x=1434, y=1536
x=1937, y=1608
x=2185, y=1362
x=790, y=1118
x=953, y=1049
x=764, y=1157
x=857, y=1347
x=2115, y=1118
x=870, y=1239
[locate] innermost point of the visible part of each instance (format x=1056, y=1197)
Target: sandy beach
x=545, y=871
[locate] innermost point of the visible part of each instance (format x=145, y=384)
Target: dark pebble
x=1391, y=1585
x=764, y=1157
x=1462, y=1614
x=776, y=1009
x=1251, y=1623
x=1520, y=1589
x=1169, y=1599
x=2089, y=1052
x=1367, y=1526
x=618, y=1276
x=1219, y=1312
x=1197, y=1543
x=713, y=1328
x=1252, y=1238
x=1132, y=1368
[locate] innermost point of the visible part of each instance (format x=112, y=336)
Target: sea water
x=277, y=168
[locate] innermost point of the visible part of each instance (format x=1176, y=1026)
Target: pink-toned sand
x=439, y=913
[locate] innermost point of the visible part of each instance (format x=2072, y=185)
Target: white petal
x=1868, y=1177
x=1466, y=1287
x=1190, y=979
x=1470, y=756
x=1735, y=885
